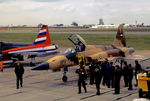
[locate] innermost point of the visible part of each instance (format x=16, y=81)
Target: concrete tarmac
x=48, y=86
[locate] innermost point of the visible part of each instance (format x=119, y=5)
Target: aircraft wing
x=10, y=45
x=34, y=52
x=42, y=54
x=19, y=55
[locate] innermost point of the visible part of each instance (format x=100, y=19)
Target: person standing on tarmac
x=82, y=76
x=92, y=68
x=110, y=75
x=130, y=76
x=125, y=74
x=19, y=71
x=104, y=71
x=117, y=76
x=98, y=77
x=137, y=70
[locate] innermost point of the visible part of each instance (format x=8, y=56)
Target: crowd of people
x=109, y=74
x=106, y=72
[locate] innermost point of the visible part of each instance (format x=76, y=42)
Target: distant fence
x=67, y=29
x=25, y=29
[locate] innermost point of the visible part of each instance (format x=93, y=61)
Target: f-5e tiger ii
x=117, y=50
x=10, y=51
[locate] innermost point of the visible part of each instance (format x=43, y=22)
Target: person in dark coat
x=125, y=74
x=98, y=77
x=110, y=75
x=82, y=76
x=117, y=76
x=137, y=70
x=92, y=68
x=130, y=76
x=104, y=71
x=19, y=71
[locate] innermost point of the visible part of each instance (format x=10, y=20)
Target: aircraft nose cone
x=43, y=66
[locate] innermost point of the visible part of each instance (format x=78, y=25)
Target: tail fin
x=43, y=36
x=120, y=40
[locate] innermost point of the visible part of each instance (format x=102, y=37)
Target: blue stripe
x=37, y=51
x=43, y=33
x=38, y=42
x=45, y=54
x=44, y=50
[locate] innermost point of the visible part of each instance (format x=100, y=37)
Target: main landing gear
x=65, y=78
x=32, y=63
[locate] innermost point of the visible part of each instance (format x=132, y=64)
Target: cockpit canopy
x=78, y=41
x=75, y=38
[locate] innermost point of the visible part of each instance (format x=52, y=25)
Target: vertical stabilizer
x=120, y=40
x=43, y=36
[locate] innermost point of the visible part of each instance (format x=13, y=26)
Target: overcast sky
x=33, y=12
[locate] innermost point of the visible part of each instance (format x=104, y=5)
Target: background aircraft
x=10, y=45
x=90, y=52
x=41, y=46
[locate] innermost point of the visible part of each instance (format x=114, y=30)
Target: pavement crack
x=119, y=98
x=13, y=94
x=95, y=95
x=62, y=98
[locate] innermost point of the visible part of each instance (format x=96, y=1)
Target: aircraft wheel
x=140, y=93
x=32, y=64
x=64, y=78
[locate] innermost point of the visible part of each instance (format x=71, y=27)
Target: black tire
x=32, y=64
x=140, y=93
x=149, y=94
x=64, y=78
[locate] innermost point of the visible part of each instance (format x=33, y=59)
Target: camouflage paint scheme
x=91, y=52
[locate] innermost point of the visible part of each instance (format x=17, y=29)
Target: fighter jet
x=42, y=46
x=117, y=50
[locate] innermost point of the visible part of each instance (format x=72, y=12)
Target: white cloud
x=47, y=0
x=50, y=12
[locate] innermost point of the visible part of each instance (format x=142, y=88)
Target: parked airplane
x=41, y=46
x=90, y=52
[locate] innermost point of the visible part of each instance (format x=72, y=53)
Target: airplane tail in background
x=43, y=36
x=120, y=40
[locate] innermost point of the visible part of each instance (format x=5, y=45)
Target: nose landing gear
x=64, y=78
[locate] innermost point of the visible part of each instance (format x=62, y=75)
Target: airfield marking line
x=28, y=76
x=101, y=94
x=14, y=93
x=95, y=95
x=62, y=98
x=8, y=80
x=124, y=96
